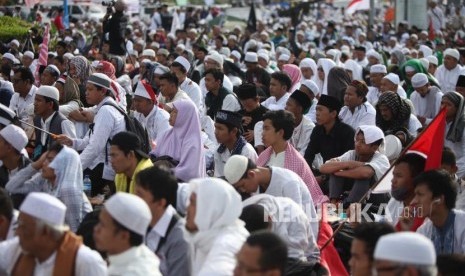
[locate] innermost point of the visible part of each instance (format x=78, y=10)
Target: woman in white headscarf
x=60, y=175
x=335, y=55
x=324, y=65
x=213, y=229
x=354, y=70
x=455, y=128
x=309, y=69
x=288, y=220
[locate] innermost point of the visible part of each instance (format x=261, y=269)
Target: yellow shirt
x=121, y=179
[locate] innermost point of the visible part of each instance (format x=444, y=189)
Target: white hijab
x=356, y=69
x=217, y=212
x=326, y=64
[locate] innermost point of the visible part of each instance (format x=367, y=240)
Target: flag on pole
x=65, y=14
x=252, y=21
x=357, y=5
x=329, y=257
x=43, y=53
x=429, y=144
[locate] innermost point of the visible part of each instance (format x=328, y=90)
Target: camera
x=110, y=3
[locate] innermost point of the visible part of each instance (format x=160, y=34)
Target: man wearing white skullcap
x=50, y=246
x=48, y=117
x=13, y=139
x=255, y=73
x=377, y=73
x=283, y=59
x=215, y=234
x=310, y=88
x=181, y=67
x=107, y=122
x=448, y=73
x=147, y=112
x=391, y=82
x=215, y=61
x=426, y=99
x=405, y=253
x=373, y=57
x=123, y=224
x=433, y=64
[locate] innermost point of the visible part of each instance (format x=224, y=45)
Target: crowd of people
x=135, y=149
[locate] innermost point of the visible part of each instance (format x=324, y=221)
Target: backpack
x=134, y=126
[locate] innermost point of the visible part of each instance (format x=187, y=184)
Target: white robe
x=447, y=78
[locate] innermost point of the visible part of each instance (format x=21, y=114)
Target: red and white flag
x=429, y=144
x=357, y=5
x=31, y=3
x=43, y=54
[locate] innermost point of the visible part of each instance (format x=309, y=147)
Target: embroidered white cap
x=432, y=60
x=48, y=91
x=251, y=57
x=130, y=211
x=235, y=168
x=378, y=68
x=453, y=53
x=184, y=62
x=15, y=136
x=310, y=85
x=392, y=78
x=44, y=207
x=28, y=54
x=148, y=53
x=419, y=80
x=284, y=57
x=406, y=248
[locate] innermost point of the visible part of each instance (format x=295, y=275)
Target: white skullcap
x=285, y=51
x=148, y=53
x=192, y=30
x=251, y=57
x=378, y=68
x=6, y=115
x=392, y=147
x=232, y=37
x=160, y=70
x=28, y=54
x=425, y=63
x=373, y=53
x=15, y=42
x=405, y=51
x=419, y=80
x=392, y=78
x=424, y=33
x=144, y=90
x=9, y=56
x=310, y=85
x=264, y=33
x=264, y=56
x=48, y=91
x=68, y=55
x=44, y=207
x=300, y=32
x=184, y=62
x=406, y=248
x=414, y=36
x=425, y=50
x=453, y=53
x=15, y=136
x=370, y=133
x=130, y=211
x=235, y=168
x=181, y=47
x=251, y=43
x=284, y=57
x=236, y=54
x=53, y=68
x=216, y=57
x=433, y=60
x=225, y=51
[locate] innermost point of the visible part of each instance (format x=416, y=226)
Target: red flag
x=431, y=34
x=329, y=257
x=430, y=144
x=43, y=54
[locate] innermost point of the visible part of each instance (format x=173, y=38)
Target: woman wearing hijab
x=393, y=116
x=354, y=70
x=409, y=69
x=455, y=128
x=309, y=69
x=338, y=80
x=79, y=71
x=121, y=77
x=183, y=142
x=118, y=91
x=294, y=73
x=213, y=228
x=58, y=172
x=324, y=66
x=335, y=55
x=69, y=95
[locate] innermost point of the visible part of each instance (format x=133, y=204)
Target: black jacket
x=116, y=27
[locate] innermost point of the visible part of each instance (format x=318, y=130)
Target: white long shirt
x=20, y=105
x=301, y=135
x=226, y=84
x=155, y=123
x=420, y=105
x=448, y=78
x=272, y=104
x=107, y=122
x=193, y=90
x=459, y=149
x=136, y=261
x=221, y=158
x=311, y=114
x=88, y=262
x=364, y=114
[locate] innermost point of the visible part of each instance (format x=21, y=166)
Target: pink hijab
x=183, y=142
x=294, y=72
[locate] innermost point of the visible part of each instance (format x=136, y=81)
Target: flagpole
x=343, y=222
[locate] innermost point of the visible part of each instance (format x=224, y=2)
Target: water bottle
x=87, y=186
